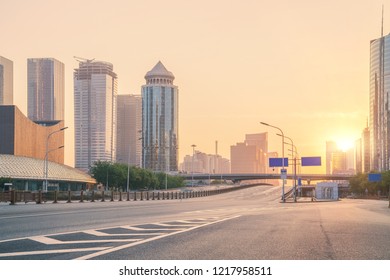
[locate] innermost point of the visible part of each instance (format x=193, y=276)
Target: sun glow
x=345, y=144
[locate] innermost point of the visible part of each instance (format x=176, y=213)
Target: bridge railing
x=39, y=197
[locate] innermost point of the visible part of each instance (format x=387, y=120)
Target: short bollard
x=39, y=201
x=128, y=196
x=69, y=197
x=142, y=195
x=152, y=195
x=12, y=197
x=103, y=199
x=112, y=196
x=147, y=195
x=120, y=196
x=93, y=196
x=55, y=196
x=158, y=196
x=135, y=196
x=163, y=195
x=81, y=196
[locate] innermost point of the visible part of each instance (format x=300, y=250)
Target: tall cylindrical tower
x=160, y=120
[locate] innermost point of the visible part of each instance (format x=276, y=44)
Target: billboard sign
x=277, y=162
x=311, y=161
x=374, y=177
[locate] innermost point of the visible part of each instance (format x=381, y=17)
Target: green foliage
x=359, y=184
x=115, y=174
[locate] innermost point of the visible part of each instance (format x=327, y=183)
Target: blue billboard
x=311, y=161
x=374, y=177
x=277, y=162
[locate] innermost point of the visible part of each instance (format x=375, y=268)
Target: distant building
x=331, y=147
x=250, y=156
x=359, y=155
x=95, y=90
x=246, y=159
x=45, y=89
x=366, y=157
x=129, y=128
x=6, y=81
x=205, y=164
x=160, y=139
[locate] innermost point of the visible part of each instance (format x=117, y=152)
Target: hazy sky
x=301, y=65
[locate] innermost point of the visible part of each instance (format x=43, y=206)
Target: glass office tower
x=6, y=81
x=160, y=120
x=45, y=89
x=379, y=103
x=95, y=90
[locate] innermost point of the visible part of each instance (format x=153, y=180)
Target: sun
x=345, y=144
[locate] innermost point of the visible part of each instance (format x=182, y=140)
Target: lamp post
x=47, y=153
x=47, y=165
x=192, y=168
x=266, y=124
x=294, y=165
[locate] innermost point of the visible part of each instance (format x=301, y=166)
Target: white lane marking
x=51, y=241
x=169, y=225
x=99, y=233
x=114, y=249
x=44, y=252
x=190, y=222
x=151, y=229
x=96, y=233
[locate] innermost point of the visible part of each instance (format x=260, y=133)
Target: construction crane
x=81, y=59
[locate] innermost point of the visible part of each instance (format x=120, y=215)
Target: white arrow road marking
x=114, y=249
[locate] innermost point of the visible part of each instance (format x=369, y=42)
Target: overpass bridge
x=256, y=176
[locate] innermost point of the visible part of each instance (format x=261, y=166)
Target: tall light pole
x=47, y=152
x=266, y=124
x=192, y=168
x=47, y=165
x=293, y=147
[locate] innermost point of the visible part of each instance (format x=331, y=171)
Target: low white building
x=327, y=190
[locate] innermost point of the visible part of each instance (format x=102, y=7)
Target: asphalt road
x=248, y=224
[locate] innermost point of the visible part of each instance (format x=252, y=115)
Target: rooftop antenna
x=382, y=22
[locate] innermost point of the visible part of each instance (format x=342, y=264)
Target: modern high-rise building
x=160, y=120
x=331, y=147
x=95, y=90
x=366, y=150
x=6, y=81
x=45, y=89
x=379, y=120
x=129, y=127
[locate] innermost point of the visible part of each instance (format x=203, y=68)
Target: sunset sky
x=300, y=65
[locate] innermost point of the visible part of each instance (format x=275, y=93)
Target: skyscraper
x=379, y=123
x=129, y=126
x=45, y=89
x=95, y=90
x=160, y=120
x=6, y=81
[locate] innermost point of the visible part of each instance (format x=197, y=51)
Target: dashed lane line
x=51, y=241
x=45, y=252
x=118, y=248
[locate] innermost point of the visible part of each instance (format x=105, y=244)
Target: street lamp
x=294, y=165
x=47, y=152
x=192, y=171
x=266, y=124
x=47, y=165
